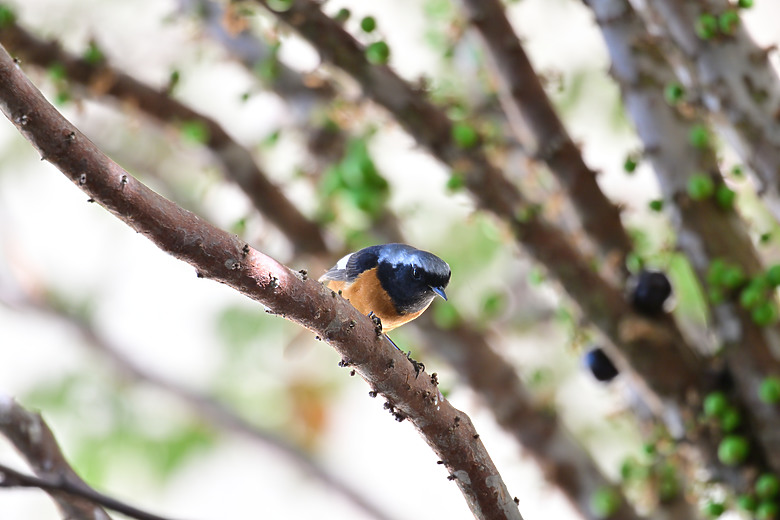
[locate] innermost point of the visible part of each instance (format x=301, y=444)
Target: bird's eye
x=415, y=272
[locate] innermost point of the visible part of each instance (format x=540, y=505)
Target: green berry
x=716, y=296
x=714, y=509
x=343, y=15
x=57, y=71
x=456, y=182
x=752, y=295
x=746, y=503
x=715, y=404
x=674, y=92
x=656, y=205
x=700, y=186
x=93, y=55
x=464, y=135
x=604, y=502
x=767, y=486
x=732, y=277
x=769, y=390
x=195, y=131
x=733, y=449
x=630, y=164
x=728, y=22
x=730, y=420
x=699, y=136
x=745, y=4
x=764, y=314
x=378, y=53
x=715, y=271
x=368, y=24
x=773, y=275
x=706, y=26
x=668, y=484
x=725, y=197
x=767, y=511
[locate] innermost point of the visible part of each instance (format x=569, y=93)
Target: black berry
x=601, y=366
x=652, y=290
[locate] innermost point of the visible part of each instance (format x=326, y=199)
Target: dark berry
x=652, y=290
x=602, y=367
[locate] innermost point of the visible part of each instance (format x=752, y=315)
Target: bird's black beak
x=440, y=292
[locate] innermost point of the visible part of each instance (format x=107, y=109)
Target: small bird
x=393, y=282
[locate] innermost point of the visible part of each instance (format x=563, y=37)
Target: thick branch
x=224, y=258
x=538, y=128
x=235, y=160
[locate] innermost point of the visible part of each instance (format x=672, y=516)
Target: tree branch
x=226, y=259
x=538, y=128
x=235, y=160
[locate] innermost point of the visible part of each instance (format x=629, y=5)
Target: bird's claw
x=418, y=367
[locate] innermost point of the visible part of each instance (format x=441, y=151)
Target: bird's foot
x=377, y=324
x=418, y=367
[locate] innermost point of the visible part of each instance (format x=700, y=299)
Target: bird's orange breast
x=367, y=295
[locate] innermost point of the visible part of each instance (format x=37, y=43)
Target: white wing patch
x=342, y=264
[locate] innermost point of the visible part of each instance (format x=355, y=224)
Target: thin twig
x=10, y=478
x=226, y=259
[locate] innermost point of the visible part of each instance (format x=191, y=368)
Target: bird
x=393, y=282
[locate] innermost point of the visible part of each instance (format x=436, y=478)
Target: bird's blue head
x=412, y=278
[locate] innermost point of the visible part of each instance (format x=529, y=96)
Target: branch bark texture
x=538, y=128
x=224, y=258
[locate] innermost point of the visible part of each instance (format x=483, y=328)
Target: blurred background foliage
x=365, y=183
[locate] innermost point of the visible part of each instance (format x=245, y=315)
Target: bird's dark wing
x=350, y=267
